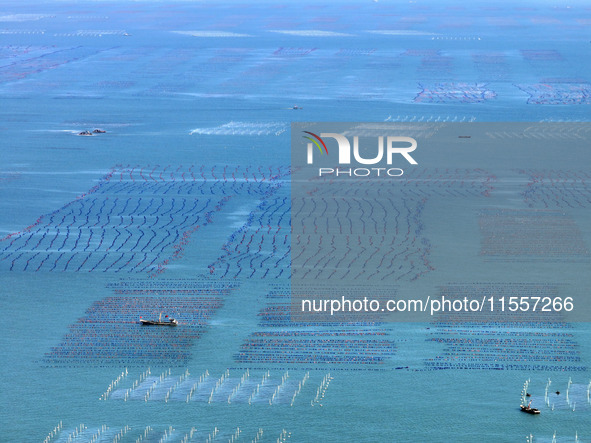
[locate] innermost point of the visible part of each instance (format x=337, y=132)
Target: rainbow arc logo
x=316, y=142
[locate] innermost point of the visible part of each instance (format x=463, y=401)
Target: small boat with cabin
x=528, y=409
x=159, y=322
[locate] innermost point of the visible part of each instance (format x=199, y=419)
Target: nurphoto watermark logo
x=381, y=163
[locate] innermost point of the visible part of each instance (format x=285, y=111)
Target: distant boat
x=85, y=133
x=296, y=107
x=529, y=409
x=99, y=131
x=159, y=322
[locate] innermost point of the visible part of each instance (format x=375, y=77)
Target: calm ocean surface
x=183, y=207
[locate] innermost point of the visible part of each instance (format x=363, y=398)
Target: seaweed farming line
x=450, y=92
x=250, y=387
x=573, y=397
x=325, y=223
x=133, y=220
x=110, y=333
x=554, y=439
x=530, y=234
x=292, y=338
x=244, y=128
x=532, y=341
x=557, y=188
x=430, y=118
x=360, y=231
x=133, y=434
x=261, y=246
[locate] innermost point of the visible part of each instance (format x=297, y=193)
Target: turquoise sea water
x=187, y=197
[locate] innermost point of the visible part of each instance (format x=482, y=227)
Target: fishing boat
x=159, y=322
x=529, y=409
